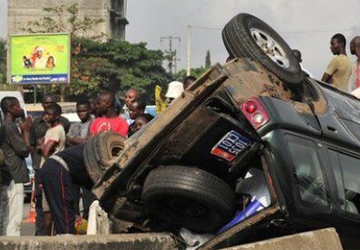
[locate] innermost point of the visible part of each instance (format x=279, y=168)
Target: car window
x=310, y=179
x=347, y=175
x=35, y=114
x=339, y=179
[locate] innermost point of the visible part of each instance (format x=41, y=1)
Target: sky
x=306, y=25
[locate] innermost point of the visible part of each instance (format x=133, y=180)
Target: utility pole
x=171, y=55
x=175, y=61
x=188, y=58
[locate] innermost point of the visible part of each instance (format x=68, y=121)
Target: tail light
x=255, y=112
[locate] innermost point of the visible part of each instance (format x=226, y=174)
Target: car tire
x=242, y=37
x=100, y=153
x=109, y=146
x=188, y=197
x=90, y=161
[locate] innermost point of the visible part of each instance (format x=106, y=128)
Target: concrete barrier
x=93, y=242
x=314, y=240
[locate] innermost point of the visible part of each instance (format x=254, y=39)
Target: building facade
x=113, y=12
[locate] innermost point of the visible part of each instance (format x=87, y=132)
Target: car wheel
x=248, y=36
x=109, y=146
x=188, y=197
x=100, y=153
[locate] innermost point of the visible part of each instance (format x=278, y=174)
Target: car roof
x=72, y=117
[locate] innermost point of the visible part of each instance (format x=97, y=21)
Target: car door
x=341, y=123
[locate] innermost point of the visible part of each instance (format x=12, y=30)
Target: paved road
x=27, y=228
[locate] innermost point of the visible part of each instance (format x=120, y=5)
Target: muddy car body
x=187, y=167
x=302, y=139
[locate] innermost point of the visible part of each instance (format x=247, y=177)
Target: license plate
x=231, y=145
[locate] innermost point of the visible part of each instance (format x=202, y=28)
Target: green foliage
x=196, y=72
x=109, y=66
x=207, y=59
x=116, y=66
x=3, y=72
x=2, y=61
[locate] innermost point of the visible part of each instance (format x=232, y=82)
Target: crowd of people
x=57, y=147
x=57, y=152
x=340, y=72
x=50, y=139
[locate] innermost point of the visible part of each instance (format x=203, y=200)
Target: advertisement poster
x=40, y=59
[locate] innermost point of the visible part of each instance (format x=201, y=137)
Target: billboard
x=39, y=59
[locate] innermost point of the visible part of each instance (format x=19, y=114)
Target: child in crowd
x=53, y=142
x=136, y=108
x=141, y=120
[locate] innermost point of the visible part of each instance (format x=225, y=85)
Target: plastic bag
x=193, y=240
x=80, y=225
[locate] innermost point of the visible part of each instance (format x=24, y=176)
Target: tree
x=2, y=61
x=3, y=67
x=116, y=66
x=207, y=60
x=112, y=66
x=196, y=72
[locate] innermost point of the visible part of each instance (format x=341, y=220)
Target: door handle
x=331, y=129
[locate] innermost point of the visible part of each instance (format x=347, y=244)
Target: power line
x=317, y=31
x=292, y=31
x=205, y=28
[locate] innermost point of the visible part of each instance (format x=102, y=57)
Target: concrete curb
x=314, y=240
x=93, y=242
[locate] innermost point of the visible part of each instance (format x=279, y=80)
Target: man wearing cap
x=40, y=60
x=175, y=89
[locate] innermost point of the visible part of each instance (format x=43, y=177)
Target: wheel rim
x=270, y=47
x=116, y=151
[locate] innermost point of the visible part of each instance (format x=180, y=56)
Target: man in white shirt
x=354, y=82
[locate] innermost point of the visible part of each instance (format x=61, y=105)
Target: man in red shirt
x=108, y=118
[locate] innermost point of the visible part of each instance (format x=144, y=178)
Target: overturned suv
x=254, y=129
